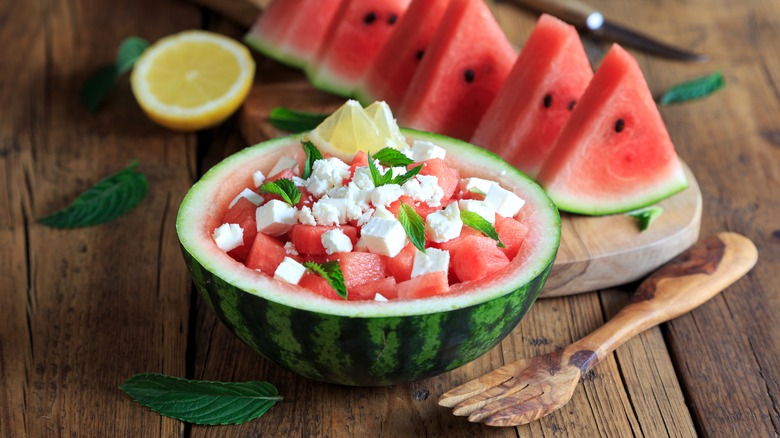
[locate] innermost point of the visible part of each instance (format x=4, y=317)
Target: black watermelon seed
x=468, y=75
x=547, y=100
x=392, y=18
x=620, y=125
x=420, y=54
x=369, y=18
x=571, y=104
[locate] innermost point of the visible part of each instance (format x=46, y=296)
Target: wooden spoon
x=529, y=389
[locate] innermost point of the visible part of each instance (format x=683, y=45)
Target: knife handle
x=571, y=11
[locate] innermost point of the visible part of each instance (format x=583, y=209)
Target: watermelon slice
x=614, y=154
x=292, y=31
x=538, y=96
x=389, y=75
x=466, y=63
x=357, y=32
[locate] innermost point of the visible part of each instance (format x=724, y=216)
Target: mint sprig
x=202, y=402
x=110, y=198
x=283, y=187
x=479, y=223
x=646, y=216
x=292, y=120
x=694, y=89
x=390, y=157
x=381, y=179
x=413, y=225
x=331, y=272
x=312, y=154
x=98, y=86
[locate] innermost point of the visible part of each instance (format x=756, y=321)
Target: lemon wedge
x=192, y=80
x=382, y=116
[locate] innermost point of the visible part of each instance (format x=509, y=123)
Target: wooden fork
x=526, y=390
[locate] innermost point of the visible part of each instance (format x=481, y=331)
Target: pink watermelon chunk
x=614, y=154
x=389, y=75
x=292, y=31
x=466, y=63
x=307, y=239
x=477, y=257
x=538, y=96
x=354, y=38
x=360, y=267
x=266, y=254
x=426, y=285
x=385, y=287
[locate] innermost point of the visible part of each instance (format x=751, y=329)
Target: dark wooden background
x=82, y=310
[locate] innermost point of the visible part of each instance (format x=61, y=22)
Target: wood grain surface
x=82, y=310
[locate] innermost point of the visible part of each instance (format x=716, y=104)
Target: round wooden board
x=596, y=252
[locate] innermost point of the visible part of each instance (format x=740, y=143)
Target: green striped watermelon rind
x=365, y=343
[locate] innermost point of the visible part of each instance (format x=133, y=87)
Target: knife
x=591, y=19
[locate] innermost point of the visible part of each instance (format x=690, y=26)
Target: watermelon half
x=364, y=343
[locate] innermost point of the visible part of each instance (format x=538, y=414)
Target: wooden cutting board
x=595, y=252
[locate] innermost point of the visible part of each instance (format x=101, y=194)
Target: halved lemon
x=192, y=80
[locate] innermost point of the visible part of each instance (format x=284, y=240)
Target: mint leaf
x=479, y=223
x=694, y=89
x=97, y=88
x=110, y=198
x=330, y=271
x=390, y=157
x=646, y=216
x=378, y=177
x=413, y=225
x=202, y=402
x=312, y=154
x=284, y=188
x=401, y=179
x=295, y=121
x=129, y=52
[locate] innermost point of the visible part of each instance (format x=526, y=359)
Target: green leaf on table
x=105, y=201
x=97, y=88
x=331, y=272
x=479, y=223
x=413, y=225
x=312, y=154
x=390, y=157
x=202, y=402
x=129, y=52
x=645, y=216
x=284, y=188
x=695, y=89
x=292, y=120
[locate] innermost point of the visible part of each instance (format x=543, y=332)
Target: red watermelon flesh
x=466, y=63
x=614, y=154
x=243, y=214
x=426, y=285
x=360, y=267
x=385, y=287
x=477, y=257
x=307, y=239
x=292, y=31
x=538, y=96
x=355, y=36
x=389, y=75
x=266, y=254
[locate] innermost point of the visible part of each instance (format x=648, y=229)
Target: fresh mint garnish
x=413, y=225
x=390, y=157
x=381, y=179
x=401, y=179
x=110, y=198
x=284, y=188
x=98, y=86
x=479, y=223
x=646, y=216
x=330, y=271
x=295, y=121
x=695, y=89
x=202, y=402
x=129, y=52
x=312, y=154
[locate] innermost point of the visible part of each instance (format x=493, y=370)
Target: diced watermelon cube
x=422, y=208
x=400, y=266
x=385, y=287
x=512, y=234
x=448, y=177
x=476, y=258
x=360, y=267
x=243, y=214
x=307, y=239
x=318, y=285
x=266, y=254
x=426, y=285
x=452, y=245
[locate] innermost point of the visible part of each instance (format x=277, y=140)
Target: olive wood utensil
x=526, y=390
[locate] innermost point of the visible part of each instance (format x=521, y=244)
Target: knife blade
x=590, y=19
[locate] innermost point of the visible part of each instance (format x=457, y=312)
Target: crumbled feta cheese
x=289, y=271
x=482, y=208
x=432, y=260
x=424, y=188
x=304, y=216
x=250, y=195
x=283, y=164
x=398, y=171
x=383, y=236
x=298, y=181
x=275, y=217
x=365, y=217
x=330, y=211
x=506, y=203
x=407, y=151
x=444, y=225
x=289, y=248
x=362, y=178
x=383, y=212
x=326, y=174
x=380, y=297
x=228, y=236
x=425, y=150
x=386, y=194
x=336, y=241
x=476, y=185
x=258, y=178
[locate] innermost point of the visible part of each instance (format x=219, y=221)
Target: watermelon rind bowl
x=364, y=343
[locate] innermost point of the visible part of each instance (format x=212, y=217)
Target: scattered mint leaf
x=401, y=179
x=330, y=271
x=97, y=88
x=378, y=177
x=284, y=188
x=291, y=120
x=312, y=154
x=646, y=216
x=129, y=52
x=479, y=223
x=390, y=157
x=413, y=225
x=694, y=89
x=110, y=198
x=202, y=402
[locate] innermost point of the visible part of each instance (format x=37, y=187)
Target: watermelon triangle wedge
x=614, y=153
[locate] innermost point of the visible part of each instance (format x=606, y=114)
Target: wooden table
x=82, y=310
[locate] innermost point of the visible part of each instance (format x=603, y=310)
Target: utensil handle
x=680, y=286
x=570, y=11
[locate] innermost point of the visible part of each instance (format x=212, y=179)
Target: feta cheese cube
x=250, y=195
x=506, y=203
x=386, y=194
x=432, y=260
x=228, y=236
x=283, y=164
x=336, y=241
x=330, y=211
x=275, y=217
x=425, y=150
x=444, y=225
x=383, y=236
x=380, y=297
x=258, y=178
x=326, y=174
x=383, y=212
x=482, y=208
x=476, y=185
x=289, y=271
